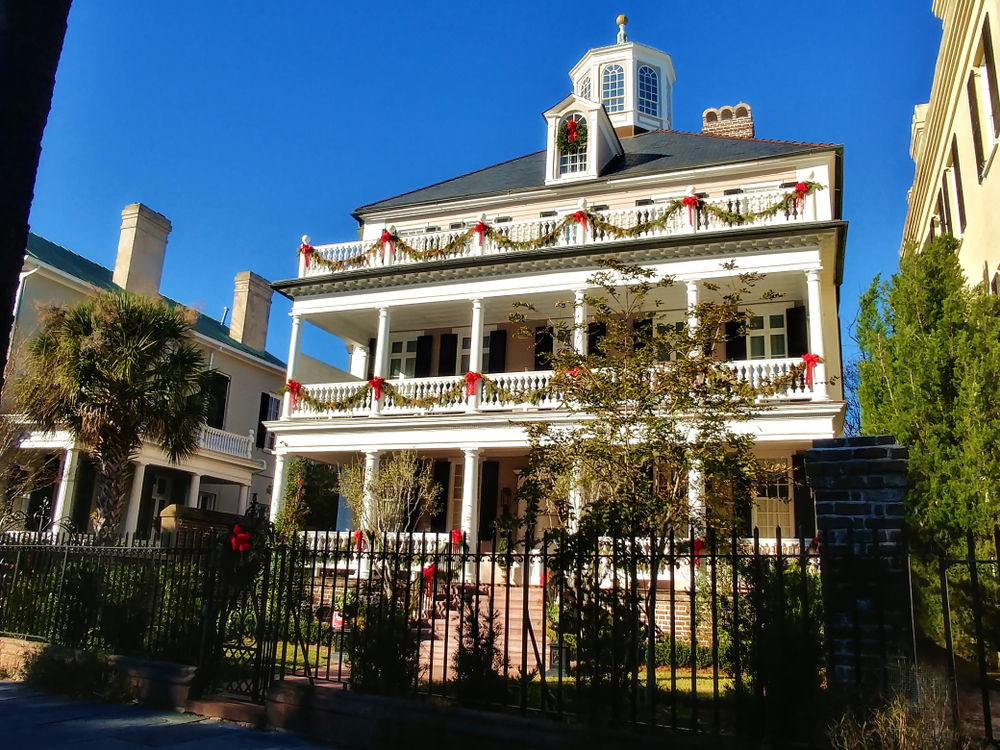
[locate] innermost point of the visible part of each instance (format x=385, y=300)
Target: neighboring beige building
x=956, y=188
x=234, y=463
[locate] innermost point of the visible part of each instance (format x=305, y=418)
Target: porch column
x=381, y=354
x=575, y=501
x=372, y=461
x=293, y=355
x=359, y=361
x=476, y=353
x=67, y=486
x=696, y=497
x=692, y=303
x=278, y=487
x=816, y=343
x=580, y=323
x=470, y=497
x=193, y=490
x=135, y=498
x=241, y=504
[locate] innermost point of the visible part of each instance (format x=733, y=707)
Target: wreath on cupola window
x=572, y=136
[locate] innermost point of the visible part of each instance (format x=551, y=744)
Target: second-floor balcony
x=227, y=443
x=447, y=398
x=713, y=214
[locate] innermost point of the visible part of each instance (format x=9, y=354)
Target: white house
x=423, y=297
x=234, y=463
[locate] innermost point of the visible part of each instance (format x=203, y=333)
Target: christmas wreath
x=572, y=136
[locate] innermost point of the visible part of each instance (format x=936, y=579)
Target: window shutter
x=447, y=355
x=265, y=404
x=977, y=130
x=442, y=473
x=991, y=73
x=736, y=342
x=959, y=195
x=498, y=352
x=372, y=353
x=795, y=326
x=804, y=508
x=644, y=333
x=595, y=332
x=422, y=367
x=543, y=348
x=488, y=499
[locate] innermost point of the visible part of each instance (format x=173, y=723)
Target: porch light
x=505, y=498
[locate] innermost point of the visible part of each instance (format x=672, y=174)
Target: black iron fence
x=758, y=637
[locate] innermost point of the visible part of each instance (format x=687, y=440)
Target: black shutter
x=442, y=476
x=498, y=352
x=736, y=342
x=795, y=326
x=422, y=367
x=805, y=509
x=959, y=195
x=218, y=391
x=543, y=348
x=977, y=131
x=595, y=333
x=643, y=328
x=991, y=74
x=86, y=480
x=447, y=354
x=372, y=352
x=265, y=404
x=488, y=499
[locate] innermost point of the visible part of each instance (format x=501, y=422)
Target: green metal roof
x=56, y=256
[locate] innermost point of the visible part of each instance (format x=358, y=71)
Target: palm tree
x=114, y=370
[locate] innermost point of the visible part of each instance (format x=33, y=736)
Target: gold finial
x=622, y=20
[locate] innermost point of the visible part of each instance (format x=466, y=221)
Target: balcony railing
x=229, y=443
x=572, y=234
x=756, y=372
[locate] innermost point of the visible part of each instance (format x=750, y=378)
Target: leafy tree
x=114, y=370
x=311, y=498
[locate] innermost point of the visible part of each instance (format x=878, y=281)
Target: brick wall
x=729, y=122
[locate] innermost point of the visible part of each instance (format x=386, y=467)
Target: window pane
x=757, y=347
x=466, y=342
x=486, y=342
x=411, y=346
x=757, y=323
x=410, y=367
x=778, y=345
x=777, y=321
x=465, y=363
x=397, y=347
x=395, y=366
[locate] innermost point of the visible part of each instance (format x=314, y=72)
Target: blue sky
x=250, y=123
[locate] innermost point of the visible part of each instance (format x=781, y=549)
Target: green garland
x=578, y=144
x=354, y=400
x=534, y=396
x=444, y=399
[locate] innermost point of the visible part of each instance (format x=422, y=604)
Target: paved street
x=39, y=721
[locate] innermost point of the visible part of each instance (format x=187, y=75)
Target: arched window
x=649, y=92
x=576, y=161
x=584, y=89
x=613, y=88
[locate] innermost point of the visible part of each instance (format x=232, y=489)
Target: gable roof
x=51, y=254
x=654, y=152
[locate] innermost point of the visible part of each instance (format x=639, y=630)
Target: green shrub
x=77, y=674
x=478, y=661
x=384, y=656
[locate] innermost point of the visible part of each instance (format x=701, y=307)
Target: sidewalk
x=40, y=721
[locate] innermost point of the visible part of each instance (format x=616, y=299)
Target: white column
x=193, y=490
x=67, y=485
x=278, y=487
x=372, y=461
x=696, y=497
x=381, y=353
x=692, y=303
x=476, y=352
x=470, y=497
x=816, y=343
x=359, y=361
x=241, y=504
x=135, y=498
x=575, y=501
x=293, y=355
x=580, y=323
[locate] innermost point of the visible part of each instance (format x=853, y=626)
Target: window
x=584, y=88
x=766, y=336
x=988, y=73
x=218, y=392
x=613, y=88
x=575, y=162
x=649, y=97
x=270, y=409
x=957, y=184
x=665, y=352
x=206, y=500
x=944, y=206
x=466, y=351
x=773, y=508
x=977, y=130
x=457, y=485
x=403, y=357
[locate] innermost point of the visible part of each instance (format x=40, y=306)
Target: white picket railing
x=426, y=388
x=229, y=443
x=759, y=372
x=334, y=392
x=519, y=382
x=572, y=234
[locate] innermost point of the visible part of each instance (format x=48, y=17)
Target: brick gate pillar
x=858, y=486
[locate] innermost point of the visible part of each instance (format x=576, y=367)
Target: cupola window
x=649, y=92
x=585, y=89
x=573, y=158
x=613, y=88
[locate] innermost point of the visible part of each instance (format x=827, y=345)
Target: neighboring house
x=956, y=188
x=421, y=323
x=233, y=463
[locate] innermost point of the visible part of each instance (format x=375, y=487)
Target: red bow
x=691, y=201
x=294, y=389
x=573, y=372
x=456, y=539
x=307, y=250
x=376, y=385
x=471, y=378
x=699, y=545
x=428, y=574
x=801, y=189
x=571, y=129
x=387, y=236
x=359, y=540
x=240, y=539
x=581, y=218
x=480, y=229
x=810, y=361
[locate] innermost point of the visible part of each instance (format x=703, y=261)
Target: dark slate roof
x=655, y=152
x=51, y=254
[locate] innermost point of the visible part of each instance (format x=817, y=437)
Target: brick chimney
x=729, y=122
x=251, y=307
x=141, y=246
